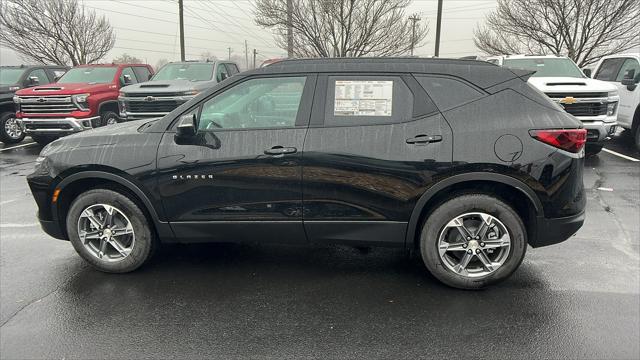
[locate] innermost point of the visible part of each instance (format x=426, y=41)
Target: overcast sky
x=148, y=29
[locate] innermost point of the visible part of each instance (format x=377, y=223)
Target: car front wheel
x=472, y=241
x=110, y=231
x=10, y=130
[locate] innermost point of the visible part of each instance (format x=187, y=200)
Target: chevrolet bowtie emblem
x=149, y=98
x=568, y=100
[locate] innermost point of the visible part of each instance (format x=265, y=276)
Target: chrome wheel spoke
x=464, y=262
x=106, y=232
x=103, y=248
x=486, y=262
x=108, y=218
x=459, y=225
x=487, y=220
x=122, y=231
x=89, y=235
x=119, y=248
x=89, y=214
x=494, y=244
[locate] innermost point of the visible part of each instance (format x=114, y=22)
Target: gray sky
x=148, y=29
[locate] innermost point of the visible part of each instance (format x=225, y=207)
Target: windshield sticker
x=363, y=98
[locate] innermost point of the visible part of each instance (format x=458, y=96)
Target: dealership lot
x=578, y=299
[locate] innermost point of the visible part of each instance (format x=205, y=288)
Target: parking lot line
x=620, y=155
x=18, y=146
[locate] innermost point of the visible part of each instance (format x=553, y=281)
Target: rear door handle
x=280, y=150
x=424, y=139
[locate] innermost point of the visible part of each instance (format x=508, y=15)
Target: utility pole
x=229, y=53
x=414, y=19
x=438, y=27
x=255, y=52
x=246, y=54
x=289, y=29
x=181, y=14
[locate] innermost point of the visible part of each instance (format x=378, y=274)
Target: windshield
x=9, y=76
x=90, y=75
x=191, y=72
x=547, y=67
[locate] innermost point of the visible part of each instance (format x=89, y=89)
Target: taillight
x=571, y=140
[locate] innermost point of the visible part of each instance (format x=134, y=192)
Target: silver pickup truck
x=173, y=85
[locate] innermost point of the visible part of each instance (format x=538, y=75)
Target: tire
x=43, y=139
x=637, y=138
x=468, y=205
x=108, y=118
x=593, y=149
x=138, y=246
x=10, y=131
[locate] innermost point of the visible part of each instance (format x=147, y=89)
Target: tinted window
x=367, y=100
x=91, y=75
x=447, y=92
x=181, y=71
x=546, y=67
x=608, y=70
x=232, y=69
x=629, y=65
x=132, y=75
x=255, y=103
x=222, y=70
x=41, y=75
x=142, y=73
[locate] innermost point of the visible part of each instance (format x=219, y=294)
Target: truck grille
x=578, y=95
x=47, y=104
x=158, y=106
x=161, y=94
x=585, y=109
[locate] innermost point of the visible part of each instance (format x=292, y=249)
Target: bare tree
x=127, y=59
x=584, y=30
x=160, y=63
x=54, y=31
x=207, y=55
x=342, y=28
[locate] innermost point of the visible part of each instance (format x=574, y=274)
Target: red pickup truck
x=83, y=98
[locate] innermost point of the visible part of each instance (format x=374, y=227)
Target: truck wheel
x=109, y=118
x=637, y=137
x=10, y=131
x=472, y=241
x=110, y=231
x=592, y=149
x=43, y=139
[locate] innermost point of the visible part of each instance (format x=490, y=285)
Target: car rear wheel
x=110, y=231
x=10, y=130
x=472, y=241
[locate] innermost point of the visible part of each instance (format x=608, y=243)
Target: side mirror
x=187, y=126
x=33, y=81
x=587, y=72
x=224, y=76
x=127, y=79
x=629, y=79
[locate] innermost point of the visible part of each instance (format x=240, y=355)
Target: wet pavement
x=578, y=299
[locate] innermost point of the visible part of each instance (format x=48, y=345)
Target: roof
x=524, y=56
x=32, y=66
x=109, y=65
x=481, y=73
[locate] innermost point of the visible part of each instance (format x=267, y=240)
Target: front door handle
x=280, y=150
x=424, y=139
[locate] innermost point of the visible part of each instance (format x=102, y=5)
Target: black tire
x=108, y=118
x=636, y=136
x=145, y=242
x=464, y=204
x=593, y=149
x=43, y=139
x=5, y=136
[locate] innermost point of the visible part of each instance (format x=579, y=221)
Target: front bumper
x=139, y=116
x=52, y=228
x=599, y=130
x=56, y=126
x=556, y=230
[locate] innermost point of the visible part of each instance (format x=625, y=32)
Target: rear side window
x=367, y=100
x=142, y=73
x=448, y=93
x=608, y=70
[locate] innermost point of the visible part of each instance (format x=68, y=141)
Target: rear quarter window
x=448, y=93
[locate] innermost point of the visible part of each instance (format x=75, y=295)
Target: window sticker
x=363, y=98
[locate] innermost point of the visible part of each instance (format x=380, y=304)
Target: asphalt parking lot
x=578, y=299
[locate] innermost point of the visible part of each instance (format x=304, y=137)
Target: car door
x=629, y=95
x=240, y=177
x=375, y=143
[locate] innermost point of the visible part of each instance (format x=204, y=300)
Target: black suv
x=458, y=159
x=12, y=79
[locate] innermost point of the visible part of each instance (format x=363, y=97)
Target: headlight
x=80, y=98
x=121, y=93
x=611, y=108
x=42, y=165
x=612, y=93
x=190, y=93
x=16, y=99
x=14, y=88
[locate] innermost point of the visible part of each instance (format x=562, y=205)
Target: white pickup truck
x=593, y=102
x=623, y=71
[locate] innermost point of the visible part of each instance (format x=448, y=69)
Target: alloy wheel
x=112, y=120
x=106, y=232
x=12, y=128
x=474, y=244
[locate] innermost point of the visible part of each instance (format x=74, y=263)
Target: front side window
x=142, y=73
x=90, y=75
x=10, y=76
x=221, y=73
x=41, y=75
x=608, y=69
x=255, y=103
x=630, y=66
x=189, y=72
x=132, y=76
x=546, y=67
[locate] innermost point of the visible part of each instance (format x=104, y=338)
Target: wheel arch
x=509, y=189
x=110, y=105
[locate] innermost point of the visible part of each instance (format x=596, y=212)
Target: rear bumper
x=556, y=230
x=56, y=126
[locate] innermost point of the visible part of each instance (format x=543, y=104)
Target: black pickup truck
x=12, y=79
